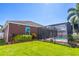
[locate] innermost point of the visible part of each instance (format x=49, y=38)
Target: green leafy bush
x=73, y=37
x=20, y=38
x=70, y=37
x=76, y=36
x=2, y=42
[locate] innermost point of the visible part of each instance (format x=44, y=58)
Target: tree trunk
x=73, y=28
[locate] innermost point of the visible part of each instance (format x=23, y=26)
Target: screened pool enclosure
x=58, y=32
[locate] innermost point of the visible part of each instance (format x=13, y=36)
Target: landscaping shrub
x=34, y=36
x=76, y=37
x=2, y=42
x=70, y=37
x=20, y=38
x=73, y=39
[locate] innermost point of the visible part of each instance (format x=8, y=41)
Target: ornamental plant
x=21, y=38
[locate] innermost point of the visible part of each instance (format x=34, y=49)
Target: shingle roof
x=30, y=23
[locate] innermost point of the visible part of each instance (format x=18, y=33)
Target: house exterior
x=13, y=28
x=59, y=32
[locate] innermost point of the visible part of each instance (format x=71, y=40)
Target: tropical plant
x=34, y=35
x=75, y=37
x=73, y=18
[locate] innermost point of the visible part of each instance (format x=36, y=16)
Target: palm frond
x=71, y=9
x=70, y=15
x=77, y=20
x=72, y=20
x=77, y=13
x=77, y=6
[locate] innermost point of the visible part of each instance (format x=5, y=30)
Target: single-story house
x=12, y=28
x=55, y=31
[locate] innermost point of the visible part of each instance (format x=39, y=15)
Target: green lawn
x=37, y=48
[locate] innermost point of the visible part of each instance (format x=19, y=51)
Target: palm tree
x=73, y=18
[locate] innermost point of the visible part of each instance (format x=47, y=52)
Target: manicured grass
x=37, y=48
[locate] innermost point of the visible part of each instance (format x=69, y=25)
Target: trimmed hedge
x=21, y=38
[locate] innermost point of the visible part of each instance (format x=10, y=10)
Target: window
x=27, y=29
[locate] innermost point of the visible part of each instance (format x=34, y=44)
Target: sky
x=42, y=13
